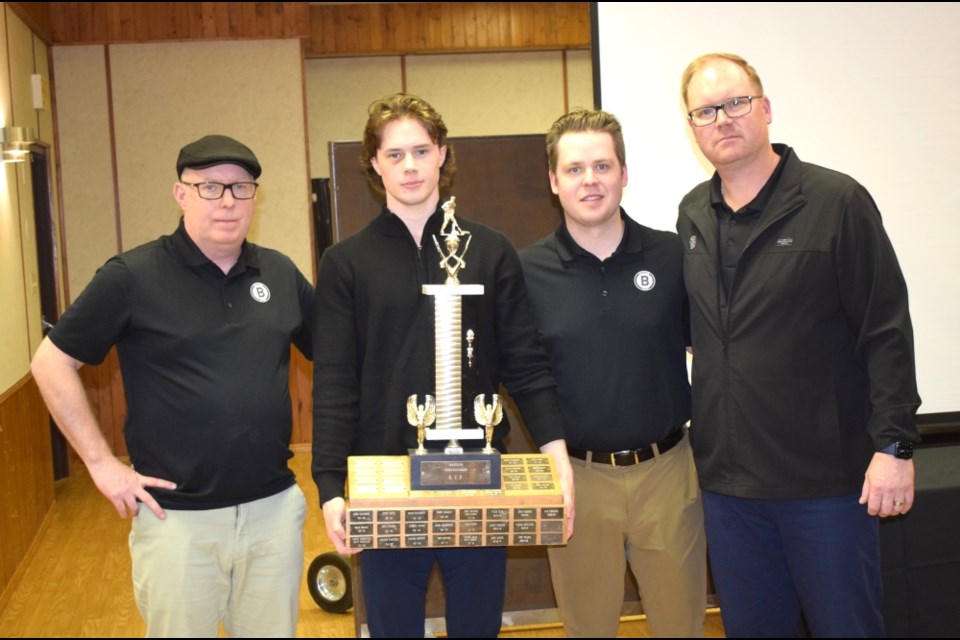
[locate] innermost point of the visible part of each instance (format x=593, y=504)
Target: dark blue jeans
x=395, y=589
x=774, y=560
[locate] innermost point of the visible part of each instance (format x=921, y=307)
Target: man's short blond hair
x=700, y=62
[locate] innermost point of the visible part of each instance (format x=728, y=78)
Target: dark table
x=921, y=552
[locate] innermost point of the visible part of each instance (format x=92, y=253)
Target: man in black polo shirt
x=609, y=300
x=203, y=322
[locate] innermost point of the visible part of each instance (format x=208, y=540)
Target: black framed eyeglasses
x=734, y=108
x=214, y=190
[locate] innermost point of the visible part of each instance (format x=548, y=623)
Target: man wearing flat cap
x=203, y=322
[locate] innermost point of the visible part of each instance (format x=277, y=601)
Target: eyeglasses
x=214, y=190
x=734, y=108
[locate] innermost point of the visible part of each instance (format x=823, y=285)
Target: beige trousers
x=241, y=565
x=650, y=515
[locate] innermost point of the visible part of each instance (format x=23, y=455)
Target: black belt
x=629, y=456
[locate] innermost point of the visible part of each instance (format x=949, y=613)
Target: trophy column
x=448, y=361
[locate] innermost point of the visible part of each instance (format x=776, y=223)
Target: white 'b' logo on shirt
x=259, y=292
x=644, y=280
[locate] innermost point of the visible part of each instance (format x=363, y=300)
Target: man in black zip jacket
x=804, y=382
x=375, y=334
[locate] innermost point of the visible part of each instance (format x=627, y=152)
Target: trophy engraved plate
x=444, y=527
x=525, y=526
x=471, y=540
x=471, y=526
x=438, y=471
x=454, y=496
x=361, y=542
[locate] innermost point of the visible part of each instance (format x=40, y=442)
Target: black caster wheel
x=330, y=584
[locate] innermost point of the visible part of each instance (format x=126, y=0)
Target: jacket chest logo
x=784, y=242
x=693, y=242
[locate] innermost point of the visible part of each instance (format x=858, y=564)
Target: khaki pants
x=241, y=564
x=649, y=514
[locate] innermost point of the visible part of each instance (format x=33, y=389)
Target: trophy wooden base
x=384, y=513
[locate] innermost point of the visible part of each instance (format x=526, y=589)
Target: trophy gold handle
x=488, y=415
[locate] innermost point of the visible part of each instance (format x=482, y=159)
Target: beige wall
x=20, y=46
x=339, y=90
x=579, y=80
x=13, y=351
x=158, y=106
x=478, y=94
x=163, y=96
x=21, y=54
x=89, y=216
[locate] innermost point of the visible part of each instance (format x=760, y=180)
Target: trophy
x=454, y=468
x=454, y=497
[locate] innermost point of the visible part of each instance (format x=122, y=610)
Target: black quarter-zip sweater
x=375, y=342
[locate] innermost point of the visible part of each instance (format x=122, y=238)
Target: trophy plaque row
x=385, y=513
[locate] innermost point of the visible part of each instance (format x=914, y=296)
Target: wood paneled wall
x=104, y=386
x=301, y=395
x=445, y=27
x=26, y=476
x=110, y=22
x=331, y=29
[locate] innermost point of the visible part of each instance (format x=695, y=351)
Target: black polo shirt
x=205, y=360
x=735, y=227
x=616, y=332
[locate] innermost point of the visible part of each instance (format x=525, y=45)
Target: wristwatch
x=902, y=449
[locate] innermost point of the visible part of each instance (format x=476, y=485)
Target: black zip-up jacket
x=375, y=342
x=808, y=368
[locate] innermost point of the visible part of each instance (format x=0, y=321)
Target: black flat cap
x=212, y=150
